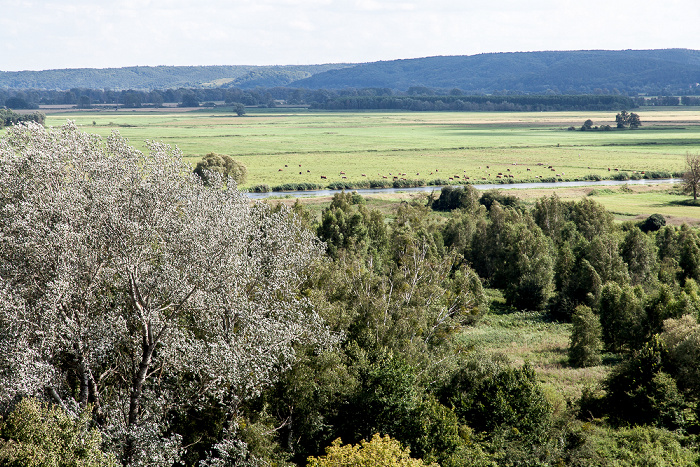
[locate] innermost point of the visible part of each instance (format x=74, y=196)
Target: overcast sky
x=48, y=34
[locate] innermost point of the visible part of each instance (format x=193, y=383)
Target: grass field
x=277, y=144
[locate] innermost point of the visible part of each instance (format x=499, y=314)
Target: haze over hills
x=571, y=72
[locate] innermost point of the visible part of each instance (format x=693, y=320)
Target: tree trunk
x=136, y=390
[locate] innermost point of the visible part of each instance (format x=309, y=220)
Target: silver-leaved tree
x=130, y=288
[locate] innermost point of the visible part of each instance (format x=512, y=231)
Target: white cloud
x=84, y=33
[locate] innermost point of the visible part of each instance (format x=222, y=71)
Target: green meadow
x=281, y=146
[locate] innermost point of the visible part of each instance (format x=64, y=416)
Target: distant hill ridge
x=582, y=71
x=160, y=77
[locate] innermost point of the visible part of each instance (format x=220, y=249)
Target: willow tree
x=130, y=287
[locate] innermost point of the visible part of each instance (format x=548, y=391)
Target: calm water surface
x=428, y=189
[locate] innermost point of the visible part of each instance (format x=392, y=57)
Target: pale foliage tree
x=129, y=285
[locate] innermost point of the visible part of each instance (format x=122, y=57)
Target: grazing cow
x=342, y=173
x=279, y=170
x=343, y=176
x=364, y=175
x=308, y=171
x=323, y=177
x=528, y=169
x=383, y=176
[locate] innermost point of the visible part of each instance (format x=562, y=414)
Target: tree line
x=417, y=98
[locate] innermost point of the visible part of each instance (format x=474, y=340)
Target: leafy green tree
x=37, y=434
x=576, y=280
x=189, y=99
x=347, y=224
x=688, y=254
x=224, y=165
x=622, y=316
x=529, y=267
x=622, y=119
x=591, y=218
x=603, y=253
x=634, y=120
x=639, y=252
x=653, y=223
x=585, y=345
x=551, y=214
x=640, y=391
x=587, y=125
x=457, y=198
x=239, y=109
x=681, y=338
x=493, y=398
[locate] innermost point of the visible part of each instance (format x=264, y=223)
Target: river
x=427, y=189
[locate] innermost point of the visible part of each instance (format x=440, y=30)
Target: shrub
x=346, y=185
x=37, y=434
x=656, y=174
x=379, y=452
x=408, y=183
x=264, y=188
x=297, y=187
x=380, y=184
x=621, y=176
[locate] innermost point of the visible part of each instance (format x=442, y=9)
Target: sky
x=54, y=34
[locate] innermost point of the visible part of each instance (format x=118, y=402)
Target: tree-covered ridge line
x=630, y=72
x=160, y=77
x=627, y=72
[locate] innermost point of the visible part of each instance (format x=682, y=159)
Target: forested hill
x=160, y=77
x=572, y=72
x=656, y=72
